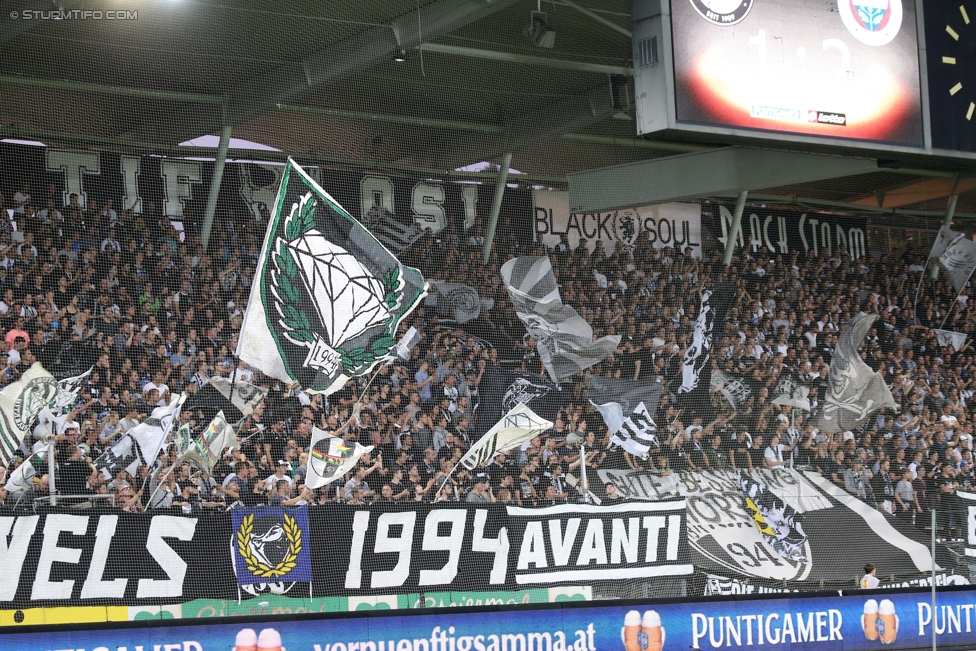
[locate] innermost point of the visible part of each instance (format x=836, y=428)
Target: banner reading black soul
x=768, y=232
x=111, y=558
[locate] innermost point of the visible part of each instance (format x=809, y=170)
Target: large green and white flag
x=327, y=296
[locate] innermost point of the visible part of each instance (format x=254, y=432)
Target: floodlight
x=539, y=31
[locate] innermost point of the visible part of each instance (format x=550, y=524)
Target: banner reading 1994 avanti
x=849, y=623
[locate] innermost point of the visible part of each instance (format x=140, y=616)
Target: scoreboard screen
x=839, y=69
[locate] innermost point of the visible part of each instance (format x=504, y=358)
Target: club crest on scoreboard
x=872, y=22
x=723, y=12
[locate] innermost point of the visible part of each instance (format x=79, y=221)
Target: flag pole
x=159, y=482
x=956, y=300
x=919, y=289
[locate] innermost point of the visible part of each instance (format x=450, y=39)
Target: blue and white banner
x=841, y=623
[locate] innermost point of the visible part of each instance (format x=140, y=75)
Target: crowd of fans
x=162, y=317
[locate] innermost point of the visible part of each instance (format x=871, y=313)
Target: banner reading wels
x=847, y=623
x=676, y=225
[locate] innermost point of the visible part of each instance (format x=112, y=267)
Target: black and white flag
x=393, y=233
x=628, y=409
x=735, y=390
x=956, y=256
x=20, y=404
x=949, y=338
x=516, y=427
x=942, y=242
x=696, y=369
x=563, y=338
x=143, y=443
x=204, y=451
x=502, y=390
x=236, y=400
x=855, y=391
x=790, y=393
x=462, y=303
x=330, y=458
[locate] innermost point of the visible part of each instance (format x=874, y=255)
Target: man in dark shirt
x=75, y=473
x=882, y=484
x=739, y=454
x=949, y=501
x=718, y=458
x=275, y=441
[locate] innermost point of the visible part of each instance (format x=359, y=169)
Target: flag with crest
x=20, y=404
x=628, y=409
x=956, y=255
x=330, y=458
x=327, y=296
x=519, y=425
x=856, y=391
x=564, y=340
x=204, y=450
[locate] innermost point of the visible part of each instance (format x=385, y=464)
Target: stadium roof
x=318, y=80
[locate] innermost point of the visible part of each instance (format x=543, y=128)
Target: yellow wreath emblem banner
x=294, y=534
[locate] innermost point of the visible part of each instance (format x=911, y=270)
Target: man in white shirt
x=279, y=475
x=111, y=244
x=773, y=457
x=870, y=580
x=22, y=199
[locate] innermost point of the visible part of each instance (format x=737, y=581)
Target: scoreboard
x=850, y=73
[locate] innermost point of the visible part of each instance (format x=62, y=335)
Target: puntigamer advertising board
x=845, y=623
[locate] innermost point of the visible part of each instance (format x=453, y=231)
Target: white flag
x=958, y=259
x=516, y=427
x=798, y=398
x=20, y=404
x=942, y=241
x=22, y=479
x=148, y=437
x=733, y=388
x=564, y=339
x=456, y=301
x=407, y=343
x=949, y=338
x=330, y=458
x=204, y=450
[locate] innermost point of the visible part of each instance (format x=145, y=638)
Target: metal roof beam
x=731, y=169
x=105, y=89
x=598, y=18
x=350, y=56
x=13, y=23
x=524, y=59
x=546, y=123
